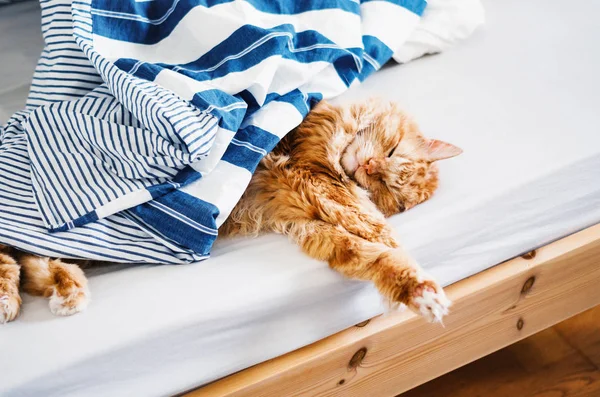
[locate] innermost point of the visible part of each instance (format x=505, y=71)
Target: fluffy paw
x=430, y=301
x=401, y=280
x=9, y=308
x=69, y=302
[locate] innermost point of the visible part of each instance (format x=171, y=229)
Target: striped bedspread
x=146, y=119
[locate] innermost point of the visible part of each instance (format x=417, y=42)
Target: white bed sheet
x=521, y=97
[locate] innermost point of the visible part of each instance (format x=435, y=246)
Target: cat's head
x=390, y=157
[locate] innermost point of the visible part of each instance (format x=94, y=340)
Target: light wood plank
x=491, y=311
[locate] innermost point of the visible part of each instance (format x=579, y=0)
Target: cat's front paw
x=429, y=300
x=10, y=301
x=401, y=280
x=66, y=302
x=9, y=307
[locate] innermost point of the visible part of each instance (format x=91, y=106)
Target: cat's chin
x=351, y=172
x=349, y=163
x=360, y=177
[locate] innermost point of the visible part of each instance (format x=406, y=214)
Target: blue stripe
x=185, y=235
x=242, y=157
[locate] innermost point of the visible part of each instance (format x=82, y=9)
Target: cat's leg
x=10, y=301
x=395, y=274
x=64, y=284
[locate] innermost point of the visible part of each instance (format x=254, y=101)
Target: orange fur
x=10, y=301
x=330, y=184
x=64, y=284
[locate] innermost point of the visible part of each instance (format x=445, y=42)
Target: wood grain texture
x=555, y=362
x=491, y=310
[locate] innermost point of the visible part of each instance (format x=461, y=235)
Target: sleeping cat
x=328, y=185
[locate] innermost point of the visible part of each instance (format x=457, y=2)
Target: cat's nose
x=372, y=167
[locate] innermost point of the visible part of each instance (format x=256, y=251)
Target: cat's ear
x=440, y=150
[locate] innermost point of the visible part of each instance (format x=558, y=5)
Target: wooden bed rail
x=394, y=353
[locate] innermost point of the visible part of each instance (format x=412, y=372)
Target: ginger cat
x=328, y=185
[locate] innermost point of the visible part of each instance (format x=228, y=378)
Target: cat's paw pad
x=9, y=308
x=70, y=302
x=430, y=301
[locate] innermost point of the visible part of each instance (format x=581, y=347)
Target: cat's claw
x=68, y=304
x=430, y=302
x=9, y=308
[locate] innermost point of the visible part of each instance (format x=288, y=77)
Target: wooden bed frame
x=390, y=354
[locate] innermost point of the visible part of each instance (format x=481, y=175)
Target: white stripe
x=223, y=187
x=217, y=150
x=235, y=105
x=124, y=202
x=179, y=83
x=379, y=16
x=275, y=117
x=327, y=82
x=248, y=145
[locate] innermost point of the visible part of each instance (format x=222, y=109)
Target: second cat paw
x=67, y=303
x=430, y=301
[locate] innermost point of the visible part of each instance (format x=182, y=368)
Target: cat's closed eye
x=392, y=151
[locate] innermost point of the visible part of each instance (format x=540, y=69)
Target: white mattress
x=521, y=98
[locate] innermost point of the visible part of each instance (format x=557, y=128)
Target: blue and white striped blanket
x=146, y=119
